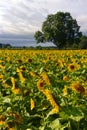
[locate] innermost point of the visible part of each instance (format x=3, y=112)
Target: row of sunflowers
x=43, y=90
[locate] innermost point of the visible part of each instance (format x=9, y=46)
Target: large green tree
x=59, y=28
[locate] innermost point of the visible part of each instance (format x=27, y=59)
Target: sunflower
x=16, y=117
x=73, y=67
x=65, y=78
x=65, y=92
x=45, y=78
x=32, y=104
x=29, y=60
x=78, y=87
x=2, y=118
x=50, y=98
x=22, y=79
x=40, y=84
x=13, y=82
x=2, y=121
x=16, y=90
x=22, y=68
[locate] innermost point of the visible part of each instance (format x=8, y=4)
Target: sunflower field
x=43, y=90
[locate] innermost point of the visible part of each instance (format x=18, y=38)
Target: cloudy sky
x=24, y=17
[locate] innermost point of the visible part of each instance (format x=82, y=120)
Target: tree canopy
x=59, y=28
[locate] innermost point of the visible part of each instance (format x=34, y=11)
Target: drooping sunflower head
x=45, y=78
x=78, y=87
x=22, y=68
x=40, y=84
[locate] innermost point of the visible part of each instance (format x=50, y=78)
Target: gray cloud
x=23, y=18
x=26, y=16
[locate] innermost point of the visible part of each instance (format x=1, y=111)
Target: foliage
x=59, y=28
x=83, y=42
x=43, y=90
x=5, y=45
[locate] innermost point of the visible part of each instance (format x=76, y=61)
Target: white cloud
x=26, y=16
x=82, y=20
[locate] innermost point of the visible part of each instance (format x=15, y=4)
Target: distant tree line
x=5, y=45
x=81, y=45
